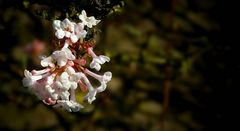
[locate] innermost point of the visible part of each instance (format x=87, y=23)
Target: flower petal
x=62, y=62
x=57, y=24
x=68, y=54
x=90, y=97
x=48, y=61
x=107, y=76
x=102, y=87
x=68, y=105
x=74, y=38
x=103, y=58
x=95, y=65
x=60, y=34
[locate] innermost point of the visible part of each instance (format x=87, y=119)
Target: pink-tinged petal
x=87, y=82
x=49, y=101
x=40, y=72
x=83, y=87
x=82, y=62
x=90, y=52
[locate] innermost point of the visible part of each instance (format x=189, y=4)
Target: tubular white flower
x=74, y=38
x=30, y=79
x=79, y=32
x=40, y=72
x=107, y=76
x=88, y=21
x=97, y=60
x=95, y=65
x=39, y=84
x=102, y=87
x=87, y=82
x=63, y=56
x=47, y=91
x=47, y=61
x=66, y=28
x=59, y=31
x=70, y=105
x=60, y=34
x=90, y=97
x=73, y=77
x=63, y=81
x=60, y=92
x=104, y=79
x=64, y=95
x=57, y=24
x=67, y=25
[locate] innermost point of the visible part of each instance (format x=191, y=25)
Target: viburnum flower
x=47, y=61
x=88, y=21
x=63, y=56
x=69, y=29
x=79, y=32
x=66, y=69
x=104, y=79
x=97, y=60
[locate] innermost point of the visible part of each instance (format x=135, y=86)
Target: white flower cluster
x=73, y=30
x=64, y=71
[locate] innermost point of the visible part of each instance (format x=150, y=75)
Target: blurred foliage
x=165, y=59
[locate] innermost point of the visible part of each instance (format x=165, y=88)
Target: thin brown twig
x=167, y=81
